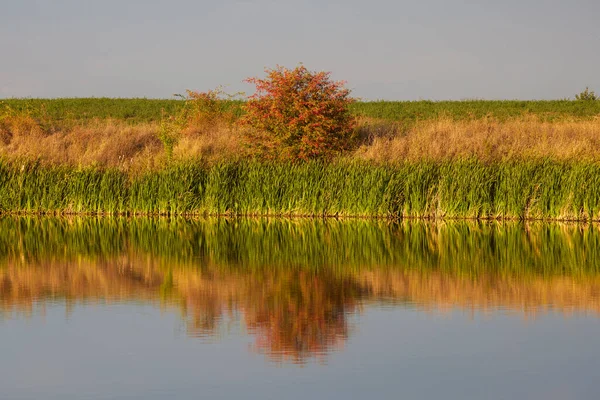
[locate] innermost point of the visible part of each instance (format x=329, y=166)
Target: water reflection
x=294, y=283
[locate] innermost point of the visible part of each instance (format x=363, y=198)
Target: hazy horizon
x=389, y=50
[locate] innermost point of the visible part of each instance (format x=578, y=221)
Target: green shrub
x=586, y=95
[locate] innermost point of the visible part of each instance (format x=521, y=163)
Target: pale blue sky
x=404, y=50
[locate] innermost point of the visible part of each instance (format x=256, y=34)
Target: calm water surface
x=214, y=308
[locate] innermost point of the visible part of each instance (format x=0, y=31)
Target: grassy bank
x=425, y=189
x=471, y=159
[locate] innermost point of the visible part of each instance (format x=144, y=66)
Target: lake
x=155, y=308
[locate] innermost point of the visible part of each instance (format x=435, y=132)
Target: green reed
x=539, y=189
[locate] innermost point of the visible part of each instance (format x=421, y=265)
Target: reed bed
x=541, y=189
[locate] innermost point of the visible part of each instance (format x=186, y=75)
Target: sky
x=383, y=49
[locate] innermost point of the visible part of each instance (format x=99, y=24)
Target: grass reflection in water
x=293, y=283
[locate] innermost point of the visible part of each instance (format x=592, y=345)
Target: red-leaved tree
x=299, y=114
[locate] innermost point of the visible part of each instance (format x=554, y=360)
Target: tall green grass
x=474, y=109
x=455, y=189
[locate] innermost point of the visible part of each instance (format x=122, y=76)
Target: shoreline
x=392, y=219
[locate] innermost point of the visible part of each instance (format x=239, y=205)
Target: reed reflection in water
x=294, y=283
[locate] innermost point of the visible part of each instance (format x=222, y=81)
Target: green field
x=149, y=110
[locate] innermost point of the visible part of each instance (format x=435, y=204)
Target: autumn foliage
x=299, y=114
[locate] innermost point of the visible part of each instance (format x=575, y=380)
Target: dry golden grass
x=487, y=139
x=118, y=144
x=106, y=143
x=113, y=143
x=219, y=140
